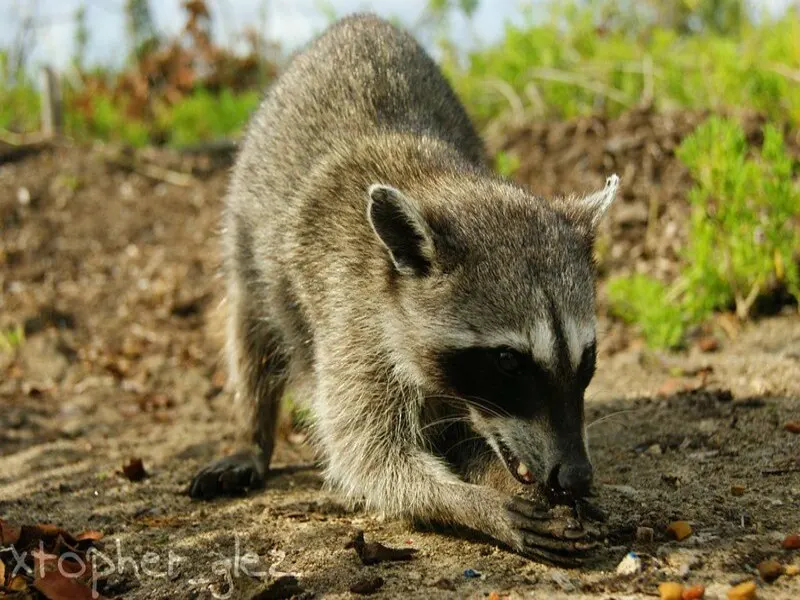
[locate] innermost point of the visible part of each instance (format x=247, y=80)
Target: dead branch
x=151, y=171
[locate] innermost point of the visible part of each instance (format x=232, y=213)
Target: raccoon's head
x=493, y=308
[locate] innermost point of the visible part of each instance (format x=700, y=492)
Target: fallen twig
x=23, y=139
x=548, y=74
x=780, y=470
x=14, y=146
x=153, y=171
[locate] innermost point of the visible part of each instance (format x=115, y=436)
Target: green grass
x=506, y=163
x=200, y=116
x=19, y=100
x=559, y=67
x=642, y=300
x=12, y=338
x=565, y=67
x=744, y=238
x=108, y=121
x=204, y=116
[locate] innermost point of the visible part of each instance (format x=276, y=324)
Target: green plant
x=12, y=338
x=204, y=116
x=745, y=232
x=586, y=58
x=744, y=236
x=107, y=120
x=19, y=99
x=642, y=300
x=506, y=163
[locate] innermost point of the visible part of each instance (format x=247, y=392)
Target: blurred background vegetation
x=568, y=59
x=565, y=59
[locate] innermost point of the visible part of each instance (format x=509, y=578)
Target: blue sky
x=291, y=22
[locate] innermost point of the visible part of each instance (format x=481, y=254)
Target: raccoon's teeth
x=522, y=470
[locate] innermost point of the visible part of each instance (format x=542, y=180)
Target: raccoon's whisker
x=472, y=438
x=495, y=410
x=609, y=416
x=449, y=420
x=486, y=405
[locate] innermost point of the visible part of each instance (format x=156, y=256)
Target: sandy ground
x=113, y=277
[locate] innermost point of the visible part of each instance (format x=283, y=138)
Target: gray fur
x=318, y=299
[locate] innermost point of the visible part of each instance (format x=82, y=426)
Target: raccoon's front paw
x=229, y=476
x=550, y=535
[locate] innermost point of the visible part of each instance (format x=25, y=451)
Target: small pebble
x=644, y=534
x=695, y=592
x=670, y=591
x=445, y=584
x=684, y=570
x=563, y=581
x=655, y=450
x=737, y=490
x=792, y=427
x=679, y=530
x=472, y=574
x=630, y=565
x=791, y=542
x=769, y=570
x=708, y=344
x=366, y=587
x=743, y=591
x=494, y=596
x=791, y=570
x=24, y=196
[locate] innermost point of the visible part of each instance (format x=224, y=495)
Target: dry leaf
x=89, y=534
x=18, y=584
x=56, y=586
x=9, y=533
x=372, y=553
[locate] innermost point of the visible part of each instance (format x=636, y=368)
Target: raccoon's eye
x=509, y=361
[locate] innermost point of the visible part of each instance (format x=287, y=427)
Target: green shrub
x=105, y=119
x=567, y=66
x=200, y=116
x=506, y=163
x=745, y=229
x=12, y=338
x=204, y=116
x=19, y=100
x=642, y=300
x=744, y=236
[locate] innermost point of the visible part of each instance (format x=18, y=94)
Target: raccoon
x=438, y=318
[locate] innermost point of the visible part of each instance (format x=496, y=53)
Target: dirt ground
x=112, y=275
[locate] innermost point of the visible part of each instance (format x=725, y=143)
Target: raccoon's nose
x=575, y=479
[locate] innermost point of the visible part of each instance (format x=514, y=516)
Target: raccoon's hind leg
x=259, y=369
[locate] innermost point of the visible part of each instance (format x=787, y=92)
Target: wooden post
x=52, y=106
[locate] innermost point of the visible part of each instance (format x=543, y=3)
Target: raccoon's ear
x=594, y=206
x=401, y=228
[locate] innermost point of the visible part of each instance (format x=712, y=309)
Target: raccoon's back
x=363, y=103
x=361, y=77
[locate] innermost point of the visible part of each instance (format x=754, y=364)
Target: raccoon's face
x=494, y=308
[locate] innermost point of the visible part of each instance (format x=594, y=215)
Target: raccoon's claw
x=229, y=476
x=557, y=551
x=584, y=508
x=548, y=536
x=569, y=558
